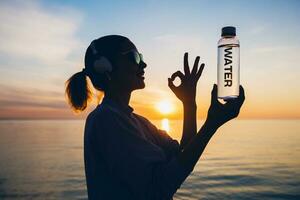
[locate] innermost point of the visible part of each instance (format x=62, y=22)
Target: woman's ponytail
x=78, y=91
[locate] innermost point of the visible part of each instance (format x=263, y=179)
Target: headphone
x=101, y=65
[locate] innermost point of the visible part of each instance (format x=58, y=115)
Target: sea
x=245, y=160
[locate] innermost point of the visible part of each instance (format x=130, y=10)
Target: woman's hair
x=78, y=90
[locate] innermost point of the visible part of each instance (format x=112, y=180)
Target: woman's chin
x=141, y=85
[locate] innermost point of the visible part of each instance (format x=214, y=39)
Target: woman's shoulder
x=100, y=121
x=100, y=114
x=144, y=120
x=140, y=117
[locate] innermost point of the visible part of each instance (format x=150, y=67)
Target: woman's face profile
x=129, y=75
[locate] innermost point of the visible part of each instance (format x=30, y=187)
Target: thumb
x=171, y=84
x=214, y=94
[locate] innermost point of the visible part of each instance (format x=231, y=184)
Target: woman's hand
x=218, y=113
x=186, y=91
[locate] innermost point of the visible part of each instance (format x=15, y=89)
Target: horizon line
x=172, y=119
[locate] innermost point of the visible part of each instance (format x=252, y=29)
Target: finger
x=186, y=64
x=230, y=103
x=233, y=106
x=237, y=102
x=171, y=84
x=195, y=67
x=200, y=71
x=242, y=93
x=241, y=97
x=177, y=74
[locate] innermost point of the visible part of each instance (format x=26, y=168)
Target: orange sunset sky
x=43, y=44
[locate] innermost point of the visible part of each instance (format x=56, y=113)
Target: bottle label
x=228, y=71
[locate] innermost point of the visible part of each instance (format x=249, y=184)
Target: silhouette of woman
x=126, y=156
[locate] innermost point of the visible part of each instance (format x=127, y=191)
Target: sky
x=43, y=43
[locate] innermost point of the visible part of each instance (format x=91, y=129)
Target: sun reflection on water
x=165, y=124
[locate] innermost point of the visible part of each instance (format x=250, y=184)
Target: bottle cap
x=228, y=31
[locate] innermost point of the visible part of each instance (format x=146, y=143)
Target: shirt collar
x=125, y=108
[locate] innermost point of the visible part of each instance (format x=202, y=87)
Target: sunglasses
x=135, y=56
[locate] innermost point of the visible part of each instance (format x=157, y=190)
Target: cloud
x=16, y=97
x=35, y=41
x=30, y=31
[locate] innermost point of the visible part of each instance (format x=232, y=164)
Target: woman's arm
x=186, y=92
x=192, y=152
x=218, y=114
x=189, y=123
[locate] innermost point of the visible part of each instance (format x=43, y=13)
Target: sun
x=165, y=107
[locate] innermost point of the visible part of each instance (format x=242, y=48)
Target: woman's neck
x=122, y=98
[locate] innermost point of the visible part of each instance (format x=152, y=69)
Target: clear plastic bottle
x=228, y=64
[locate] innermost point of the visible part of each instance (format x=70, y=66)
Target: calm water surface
x=246, y=159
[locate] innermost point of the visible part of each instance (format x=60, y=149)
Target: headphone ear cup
x=102, y=65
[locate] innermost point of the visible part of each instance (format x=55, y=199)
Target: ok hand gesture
x=186, y=91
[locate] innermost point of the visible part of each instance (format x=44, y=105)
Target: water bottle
x=228, y=64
